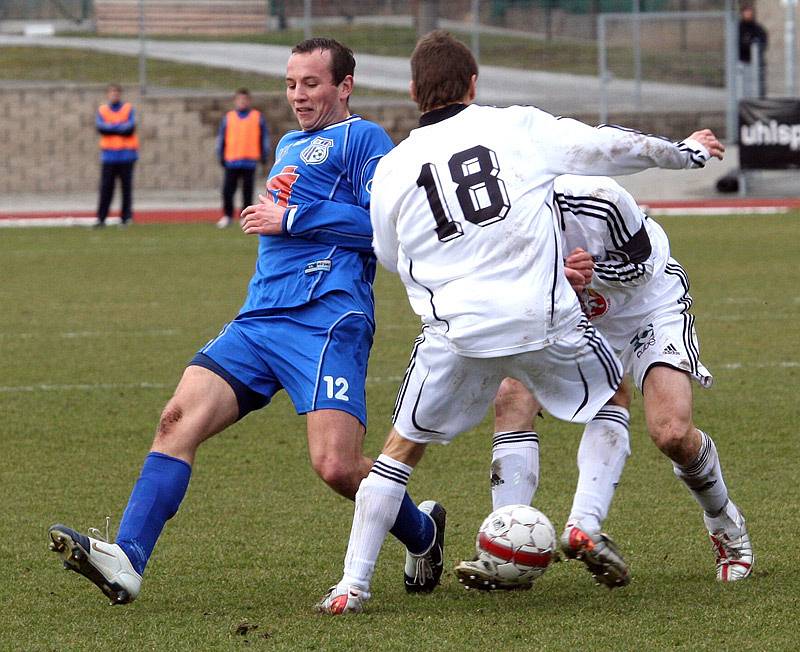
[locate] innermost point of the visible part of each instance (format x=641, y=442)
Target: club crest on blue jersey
x=317, y=151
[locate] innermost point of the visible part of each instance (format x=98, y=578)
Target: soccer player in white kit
x=463, y=211
x=637, y=296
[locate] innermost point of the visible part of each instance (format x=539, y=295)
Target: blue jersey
x=324, y=179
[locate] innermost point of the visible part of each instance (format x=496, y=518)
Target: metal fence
x=593, y=58
x=684, y=61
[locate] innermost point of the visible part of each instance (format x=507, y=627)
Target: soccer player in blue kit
x=306, y=327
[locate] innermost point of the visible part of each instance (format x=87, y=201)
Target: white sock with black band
x=514, y=475
x=377, y=504
x=604, y=447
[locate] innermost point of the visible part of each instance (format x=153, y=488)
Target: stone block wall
x=48, y=142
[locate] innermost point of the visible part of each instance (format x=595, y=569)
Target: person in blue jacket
x=306, y=326
x=115, y=121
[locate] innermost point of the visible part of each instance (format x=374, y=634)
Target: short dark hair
x=342, y=61
x=242, y=91
x=114, y=86
x=441, y=69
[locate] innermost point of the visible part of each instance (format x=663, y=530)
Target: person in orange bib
x=119, y=150
x=242, y=141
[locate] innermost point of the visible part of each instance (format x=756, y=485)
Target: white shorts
x=667, y=340
x=444, y=394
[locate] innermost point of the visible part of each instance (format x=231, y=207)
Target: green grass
x=557, y=55
x=87, y=67
x=95, y=328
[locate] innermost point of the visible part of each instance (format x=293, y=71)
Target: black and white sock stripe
x=388, y=471
x=605, y=414
x=697, y=467
x=514, y=437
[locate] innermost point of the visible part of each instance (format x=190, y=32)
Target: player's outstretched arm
x=573, y=147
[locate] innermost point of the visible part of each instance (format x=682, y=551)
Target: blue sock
x=154, y=500
x=413, y=528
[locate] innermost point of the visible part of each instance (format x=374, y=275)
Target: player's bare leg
x=335, y=441
x=203, y=404
x=668, y=409
x=377, y=505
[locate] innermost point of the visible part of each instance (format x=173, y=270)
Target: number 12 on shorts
x=336, y=387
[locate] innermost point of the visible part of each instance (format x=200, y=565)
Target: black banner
x=769, y=134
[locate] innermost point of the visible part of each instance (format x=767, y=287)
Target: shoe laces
x=729, y=548
x=96, y=534
x=422, y=570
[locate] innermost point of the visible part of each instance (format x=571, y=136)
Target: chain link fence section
x=682, y=60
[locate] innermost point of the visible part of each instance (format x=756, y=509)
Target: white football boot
x=598, y=552
x=105, y=564
x=224, y=222
x=731, y=542
x=345, y=600
x=481, y=574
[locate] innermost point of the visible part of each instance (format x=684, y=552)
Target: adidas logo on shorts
x=670, y=349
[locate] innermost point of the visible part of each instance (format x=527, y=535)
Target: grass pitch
x=95, y=328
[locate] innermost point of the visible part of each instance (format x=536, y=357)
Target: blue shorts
x=318, y=353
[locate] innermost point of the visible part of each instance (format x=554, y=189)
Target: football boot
x=481, y=574
x=598, y=553
x=102, y=563
x=339, y=601
x=422, y=573
x=731, y=543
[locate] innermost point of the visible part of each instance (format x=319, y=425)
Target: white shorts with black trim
x=666, y=340
x=444, y=394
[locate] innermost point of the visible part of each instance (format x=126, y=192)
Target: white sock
x=377, y=504
x=515, y=468
x=604, y=447
x=703, y=477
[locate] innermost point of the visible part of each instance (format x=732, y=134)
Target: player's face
x=113, y=95
x=316, y=101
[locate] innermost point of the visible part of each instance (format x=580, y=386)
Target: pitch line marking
x=91, y=387
x=71, y=335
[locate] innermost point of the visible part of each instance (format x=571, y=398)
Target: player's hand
x=578, y=268
x=575, y=279
x=708, y=140
x=264, y=218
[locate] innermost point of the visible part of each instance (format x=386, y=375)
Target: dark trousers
x=232, y=176
x=108, y=175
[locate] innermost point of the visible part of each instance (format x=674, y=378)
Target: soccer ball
x=518, y=541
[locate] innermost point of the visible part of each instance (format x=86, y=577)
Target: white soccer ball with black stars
x=518, y=541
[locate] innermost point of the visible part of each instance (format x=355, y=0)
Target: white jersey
x=463, y=211
x=634, y=278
